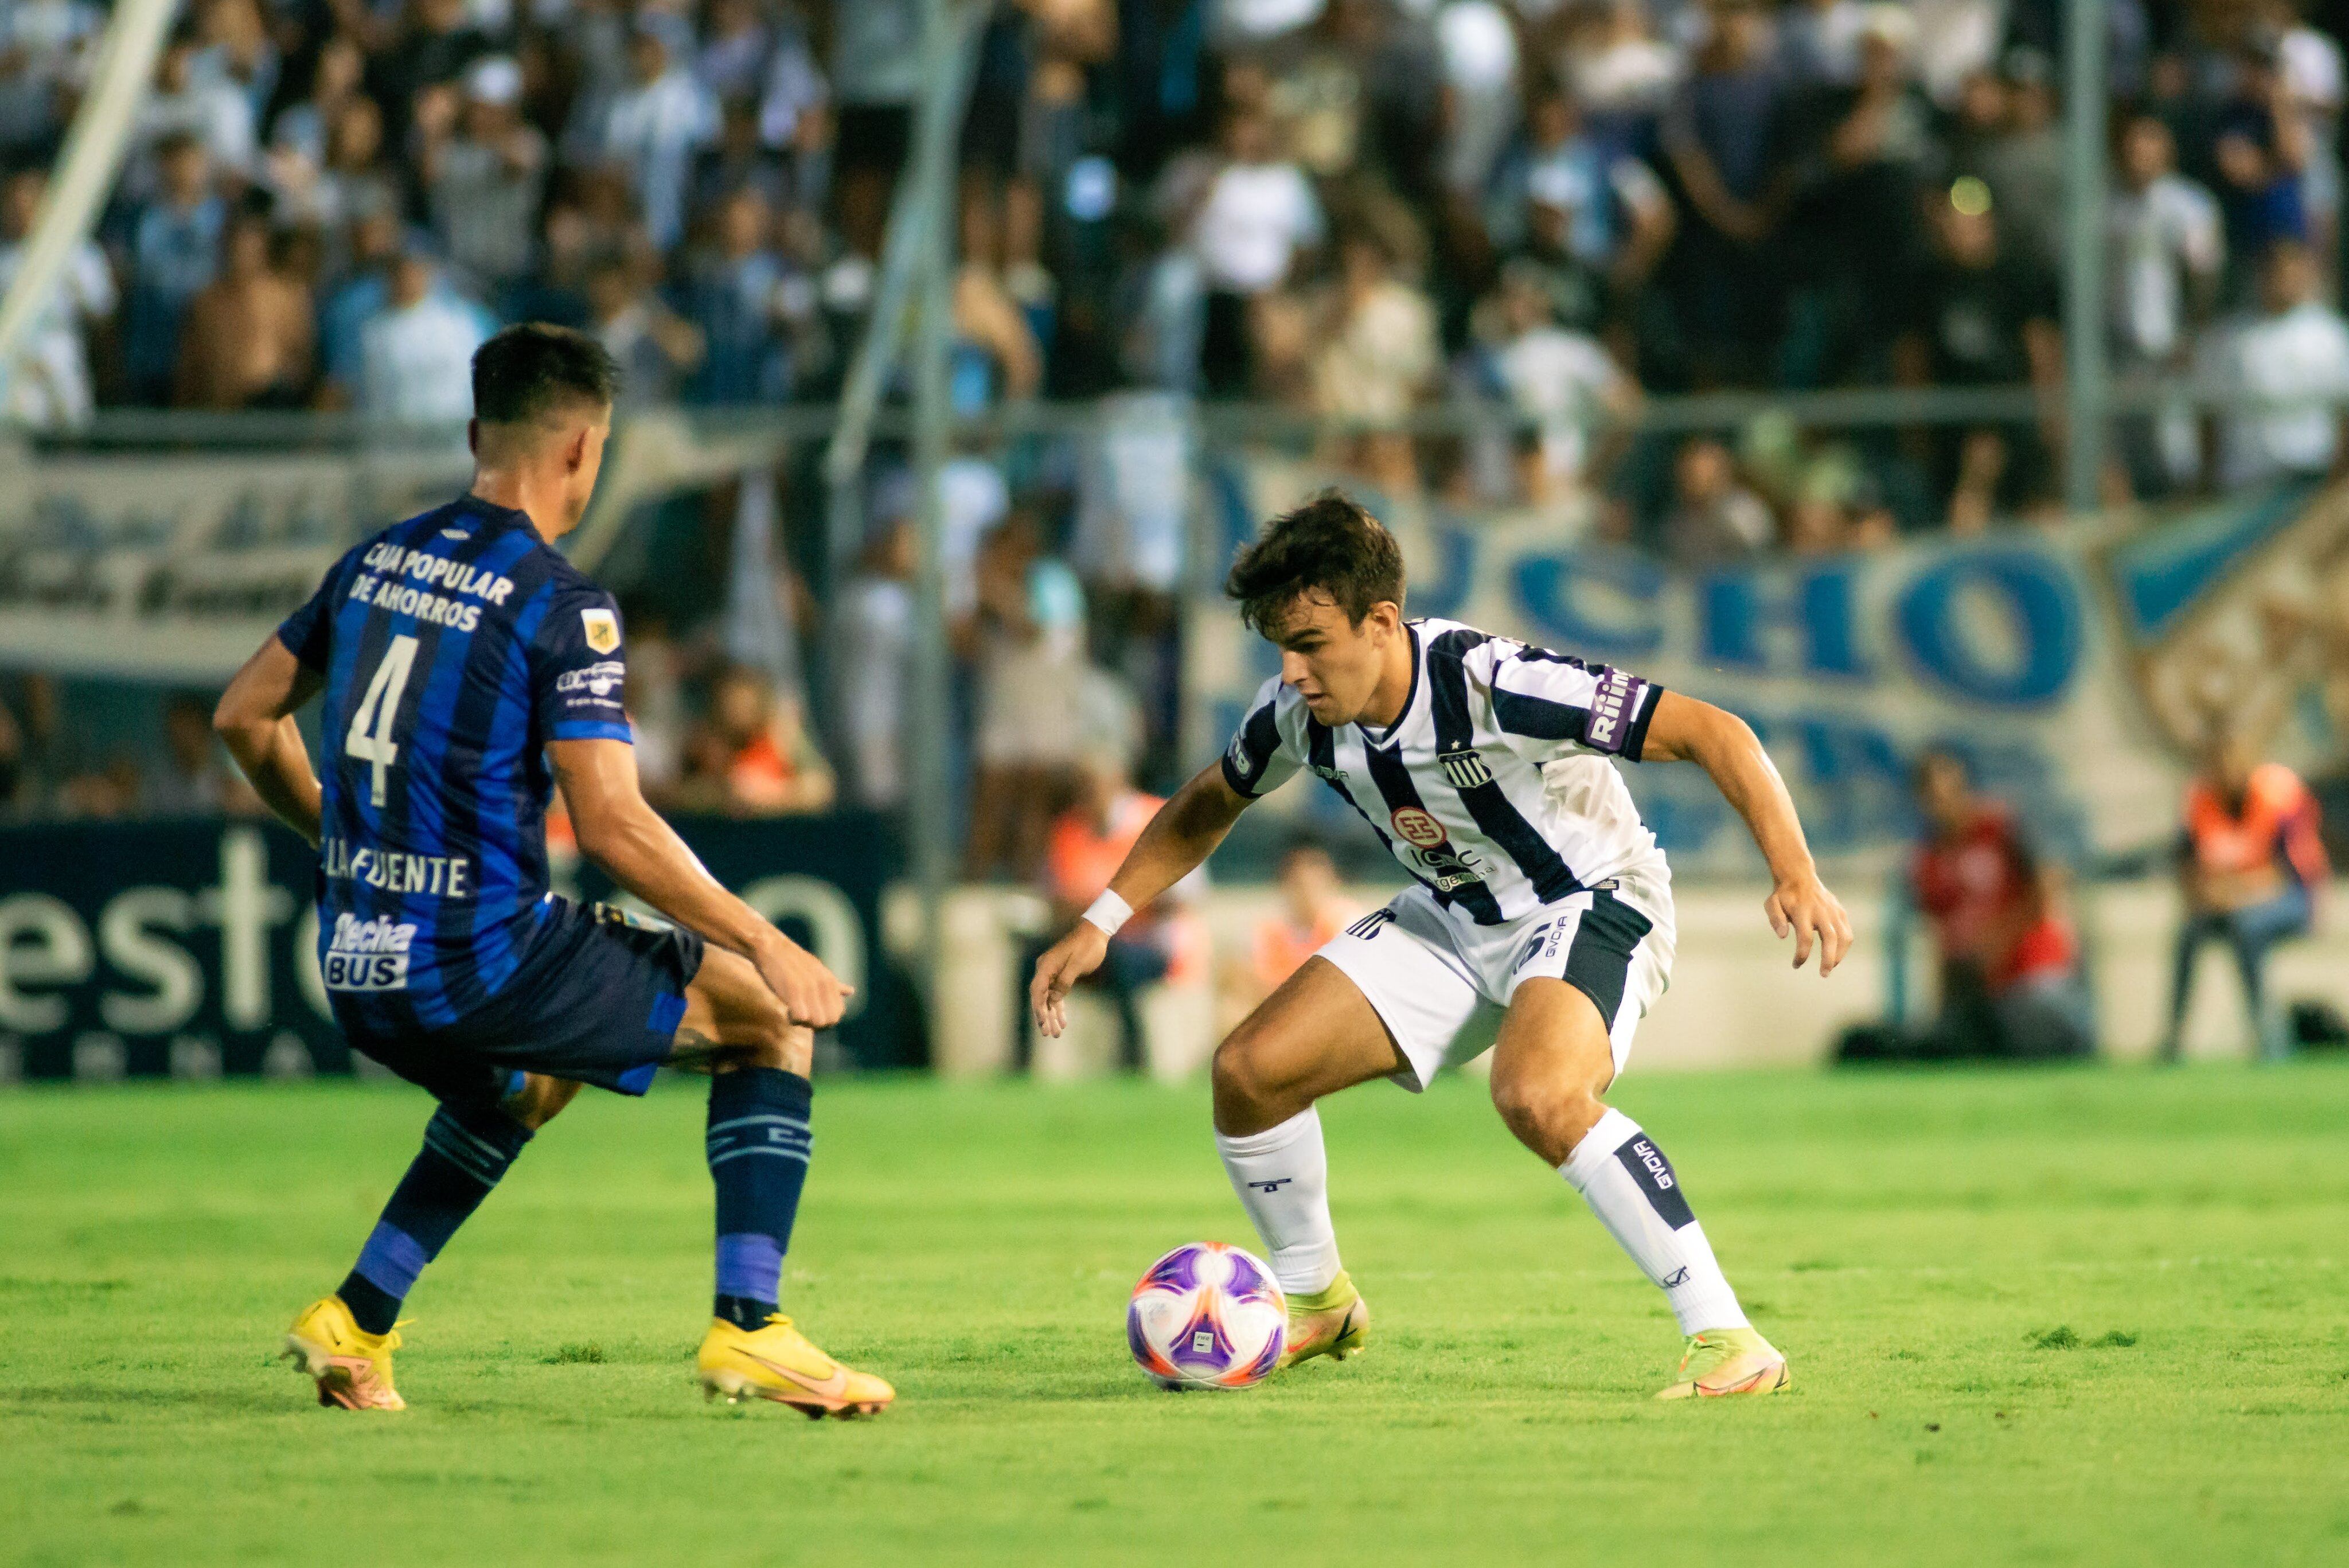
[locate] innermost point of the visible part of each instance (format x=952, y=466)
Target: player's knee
x=1240, y=1082
x=1548, y=1117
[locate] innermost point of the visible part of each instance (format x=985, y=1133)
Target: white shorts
x=1431, y=973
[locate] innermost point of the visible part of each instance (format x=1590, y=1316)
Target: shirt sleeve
x=1263, y=754
x=308, y=632
x=1545, y=697
x=577, y=669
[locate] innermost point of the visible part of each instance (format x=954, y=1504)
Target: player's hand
x=809, y=992
x=1071, y=959
x=1802, y=905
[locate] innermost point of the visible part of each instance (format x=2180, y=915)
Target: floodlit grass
x=2052, y=1317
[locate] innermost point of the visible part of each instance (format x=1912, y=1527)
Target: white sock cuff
x=1273, y=1140
x=1611, y=1132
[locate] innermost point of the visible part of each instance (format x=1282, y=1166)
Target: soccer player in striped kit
x=1486, y=767
x=466, y=669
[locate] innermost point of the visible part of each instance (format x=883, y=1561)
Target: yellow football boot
x=1334, y=1321
x=1721, y=1361
x=352, y=1366
x=777, y=1361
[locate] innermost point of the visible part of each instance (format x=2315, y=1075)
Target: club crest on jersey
x=1415, y=826
x=1464, y=769
x=603, y=630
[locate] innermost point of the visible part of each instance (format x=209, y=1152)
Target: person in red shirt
x=2250, y=863
x=2010, y=984
x=1313, y=909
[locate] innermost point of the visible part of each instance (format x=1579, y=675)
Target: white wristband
x=1109, y=913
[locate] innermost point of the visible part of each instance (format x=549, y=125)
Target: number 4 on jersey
x=370, y=738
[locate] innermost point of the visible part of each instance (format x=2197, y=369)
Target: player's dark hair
x=526, y=372
x=1330, y=543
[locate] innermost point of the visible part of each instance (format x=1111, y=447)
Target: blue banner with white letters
x=2080, y=669
x=188, y=949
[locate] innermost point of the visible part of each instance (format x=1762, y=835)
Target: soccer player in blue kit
x=466, y=668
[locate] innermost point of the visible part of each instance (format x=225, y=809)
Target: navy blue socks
x=758, y=1145
x=464, y=1156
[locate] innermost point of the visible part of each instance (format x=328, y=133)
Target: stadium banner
x=2078, y=667
x=188, y=949
x=174, y=566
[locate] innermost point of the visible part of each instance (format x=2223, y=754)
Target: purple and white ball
x=1207, y=1315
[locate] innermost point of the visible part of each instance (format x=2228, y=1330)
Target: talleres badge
x=603, y=630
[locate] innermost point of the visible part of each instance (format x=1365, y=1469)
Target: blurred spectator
x=2021, y=161
x=45, y=46
x=2250, y=863
x=48, y=387
x=1714, y=517
x=1571, y=197
x=1027, y=639
x=873, y=654
x=653, y=128
x=1255, y=213
x=1377, y=359
x=2310, y=65
x=748, y=302
x=1313, y=910
x=297, y=136
x=190, y=103
x=2296, y=347
x=995, y=351
x=249, y=332
x=753, y=756
x=2165, y=252
x=1984, y=316
x=437, y=40
x=2010, y=981
x=416, y=354
x=1617, y=68
x=2260, y=149
x=1563, y=380
x=484, y=183
x=1089, y=841
x=655, y=347
x=1724, y=136
x=1477, y=50
x=656, y=704
x=174, y=247
x=194, y=778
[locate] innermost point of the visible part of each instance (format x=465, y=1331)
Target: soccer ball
x=1207, y=1315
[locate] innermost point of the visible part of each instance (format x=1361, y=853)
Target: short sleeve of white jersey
x=1542, y=700
x=1270, y=744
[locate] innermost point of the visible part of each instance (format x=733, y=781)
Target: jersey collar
x=504, y=516
x=1387, y=737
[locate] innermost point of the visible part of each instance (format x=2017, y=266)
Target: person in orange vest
x=1313, y=909
x=1084, y=849
x=2250, y=864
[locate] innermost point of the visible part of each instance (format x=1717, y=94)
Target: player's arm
x=256, y=721
x=1685, y=730
x=625, y=837
x=1183, y=833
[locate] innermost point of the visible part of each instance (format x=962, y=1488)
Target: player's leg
x=485, y=1117
x=759, y=1144
x=1555, y=1058
x=2192, y=932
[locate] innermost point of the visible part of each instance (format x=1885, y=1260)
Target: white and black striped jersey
x=1494, y=788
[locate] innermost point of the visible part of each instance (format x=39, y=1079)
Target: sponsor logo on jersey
x=1611, y=707
x=368, y=955
x=1330, y=774
x=1239, y=757
x=1464, y=769
x=597, y=679
x=1416, y=828
x=603, y=630
x=456, y=533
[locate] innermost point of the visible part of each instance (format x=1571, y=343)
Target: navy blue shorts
x=597, y=1001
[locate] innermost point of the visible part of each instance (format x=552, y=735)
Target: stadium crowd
x=1356, y=210
x=1353, y=207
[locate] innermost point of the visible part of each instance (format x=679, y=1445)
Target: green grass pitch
x=2051, y=1317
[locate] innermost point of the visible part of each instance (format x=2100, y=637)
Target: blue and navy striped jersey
x=454, y=646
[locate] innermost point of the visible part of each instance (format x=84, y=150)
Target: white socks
x=1630, y=1185
x=1282, y=1177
